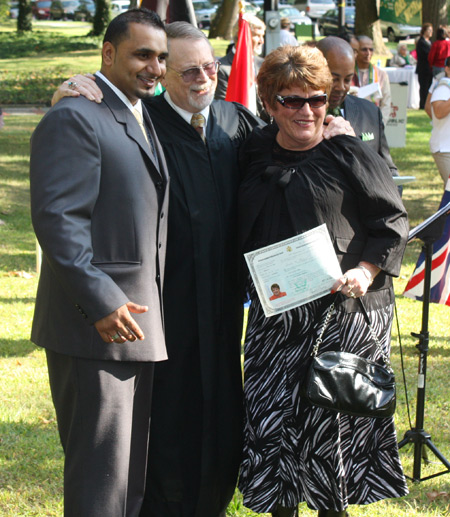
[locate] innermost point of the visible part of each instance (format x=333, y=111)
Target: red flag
x=241, y=84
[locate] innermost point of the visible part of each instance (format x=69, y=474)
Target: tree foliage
x=225, y=19
x=101, y=18
x=24, y=18
x=367, y=22
x=4, y=9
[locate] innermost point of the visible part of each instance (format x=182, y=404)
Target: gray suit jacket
x=99, y=202
x=367, y=122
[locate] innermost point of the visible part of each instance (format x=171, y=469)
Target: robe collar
x=186, y=115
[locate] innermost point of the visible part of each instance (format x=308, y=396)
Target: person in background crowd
x=440, y=134
x=439, y=52
x=367, y=73
x=402, y=57
x=294, y=181
x=423, y=69
x=354, y=43
x=364, y=116
x=286, y=37
x=258, y=29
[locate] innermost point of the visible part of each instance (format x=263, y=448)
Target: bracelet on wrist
x=367, y=273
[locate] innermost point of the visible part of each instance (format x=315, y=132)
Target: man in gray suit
x=364, y=116
x=99, y=199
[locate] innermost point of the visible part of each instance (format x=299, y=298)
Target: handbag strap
x=330, y=311
x=385, y=357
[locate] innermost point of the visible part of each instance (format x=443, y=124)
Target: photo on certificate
x=295, y=271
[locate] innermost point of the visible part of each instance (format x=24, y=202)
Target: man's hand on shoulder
x=79, y=85
x=119, y=326
x=337, y=126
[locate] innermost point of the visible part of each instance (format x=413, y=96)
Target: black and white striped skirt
x=294, y=452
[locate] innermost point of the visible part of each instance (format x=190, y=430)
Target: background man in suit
x=99, y=201
x=258, y=29
x=366, y=73
x=364, y=116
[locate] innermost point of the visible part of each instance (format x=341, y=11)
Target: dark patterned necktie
x=198, y=123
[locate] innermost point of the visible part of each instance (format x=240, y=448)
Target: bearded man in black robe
x=195, y=438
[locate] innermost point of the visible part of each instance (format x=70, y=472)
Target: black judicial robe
x=196, y=429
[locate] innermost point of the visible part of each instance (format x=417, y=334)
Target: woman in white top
x=440, y=134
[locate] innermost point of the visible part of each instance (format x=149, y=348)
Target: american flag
x=440, y=267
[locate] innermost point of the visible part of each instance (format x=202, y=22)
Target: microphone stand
x=429, y=231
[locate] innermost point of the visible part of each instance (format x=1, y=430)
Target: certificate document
x=295, y=271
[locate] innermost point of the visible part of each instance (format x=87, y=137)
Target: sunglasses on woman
x=294, y=102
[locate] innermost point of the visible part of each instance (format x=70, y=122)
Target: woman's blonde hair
x=292, y=67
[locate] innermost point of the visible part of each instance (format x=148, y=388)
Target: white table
x=408, y=75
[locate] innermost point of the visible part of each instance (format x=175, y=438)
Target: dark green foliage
x=14, y=45
x=24, y=19
x=101, y=18
x=34, y=88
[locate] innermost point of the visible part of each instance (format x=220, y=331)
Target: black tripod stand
x=429, y=231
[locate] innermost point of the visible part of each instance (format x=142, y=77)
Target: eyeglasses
x=293, y=102
x=191, y=74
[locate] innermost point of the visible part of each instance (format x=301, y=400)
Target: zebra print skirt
x=294, y=452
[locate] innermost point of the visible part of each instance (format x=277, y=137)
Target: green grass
x=30, y=455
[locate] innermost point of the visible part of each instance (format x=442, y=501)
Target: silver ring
x=350, y=287
x=116, y=336
x=352, y=294
x=72, y=85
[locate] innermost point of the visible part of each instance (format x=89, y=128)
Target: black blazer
x=367, y=122
x=423, y=49
x=341, y=183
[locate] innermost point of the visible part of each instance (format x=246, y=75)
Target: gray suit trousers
x=96, y=401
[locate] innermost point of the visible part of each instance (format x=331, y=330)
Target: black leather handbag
x=346, y=383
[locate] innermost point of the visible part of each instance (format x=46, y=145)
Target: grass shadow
x=16, y=348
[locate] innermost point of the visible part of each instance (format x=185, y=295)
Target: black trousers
x=424, y=85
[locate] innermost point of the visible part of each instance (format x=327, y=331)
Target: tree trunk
x=225, y=19
x=24, y=18
x=101, y=18
x=367, y=23
x=182, y=11
x=434, y=12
